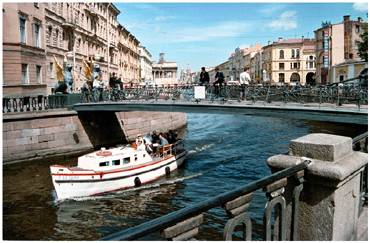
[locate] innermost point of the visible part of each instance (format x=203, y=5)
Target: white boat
x=115, y=169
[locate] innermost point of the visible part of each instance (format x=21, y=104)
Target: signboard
x=199, y=92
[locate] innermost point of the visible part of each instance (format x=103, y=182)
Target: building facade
x=336, y=44
x=74, y=31
x=164, y=72
x=256, y=68
x=146, y=75
x=289, y=61
x=241, y=58
x=24, y=49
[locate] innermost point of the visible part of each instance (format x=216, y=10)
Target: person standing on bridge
x=244, y=80
x=204, y=77
x=219, y=80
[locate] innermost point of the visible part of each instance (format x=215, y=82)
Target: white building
x=146, y=76
x=164, y=73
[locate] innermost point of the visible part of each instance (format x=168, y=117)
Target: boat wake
x=141, y=189
x=200, y=148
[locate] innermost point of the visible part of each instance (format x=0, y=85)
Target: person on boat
x=171, y=137
x=163, y=139
x=155, y=137
x=140, y=146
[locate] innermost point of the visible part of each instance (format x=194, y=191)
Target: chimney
x=280, y=39
x=346, y=18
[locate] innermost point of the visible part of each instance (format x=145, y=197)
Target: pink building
x=36, y=32
x=336, y=44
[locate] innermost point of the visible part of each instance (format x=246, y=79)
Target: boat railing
x=280, y=218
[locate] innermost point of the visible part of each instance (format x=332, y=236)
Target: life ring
x=104, y=153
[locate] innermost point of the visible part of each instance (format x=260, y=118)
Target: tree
x=362, y=45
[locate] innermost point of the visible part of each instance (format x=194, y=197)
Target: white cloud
x=271, y=9
x=162, y=18
x=286, y=21
x=213, y=32
x=360, y=6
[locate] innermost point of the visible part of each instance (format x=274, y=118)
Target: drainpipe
x=108, y=39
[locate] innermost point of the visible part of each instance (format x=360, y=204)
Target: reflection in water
x=225, y=151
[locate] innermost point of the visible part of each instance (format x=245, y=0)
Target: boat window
x=116, y=162
x=126, y=160
x=106, y=163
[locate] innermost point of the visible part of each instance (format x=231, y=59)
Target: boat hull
x=90, y=183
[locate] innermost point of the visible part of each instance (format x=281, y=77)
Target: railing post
x=331, y=196
x=185, y=230
x=237, y=212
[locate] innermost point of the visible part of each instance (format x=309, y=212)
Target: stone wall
x=44, y=135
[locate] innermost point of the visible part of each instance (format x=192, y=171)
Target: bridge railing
x=348, y=92
x=184, y=224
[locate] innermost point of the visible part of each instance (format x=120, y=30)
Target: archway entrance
x=295, y=78
x=310, y=79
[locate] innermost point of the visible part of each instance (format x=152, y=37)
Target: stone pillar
x=329, y=203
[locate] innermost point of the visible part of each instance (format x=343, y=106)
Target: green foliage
x=362, y=45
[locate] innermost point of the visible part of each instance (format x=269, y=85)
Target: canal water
x=225, y=151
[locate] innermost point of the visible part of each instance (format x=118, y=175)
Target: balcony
x=69, y=24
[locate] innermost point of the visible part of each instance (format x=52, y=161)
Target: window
x=22, y=29
x=36, y=34
x=341, y=78
x=293, y=53
x=106, y=163
x=51, y=70
x=296, y=65
x=297, y=53
x=56, y=38
x=25, y=79
x=116, y=162
x=281, y=77
x=281, y=66
x=125, y=160
x=38, y=74
x=281, y=55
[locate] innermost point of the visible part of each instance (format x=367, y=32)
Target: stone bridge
x=347, y=113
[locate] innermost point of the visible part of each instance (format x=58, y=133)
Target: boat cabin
x=114, y=158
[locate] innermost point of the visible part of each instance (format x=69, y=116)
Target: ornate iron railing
x=184, y=224
x=335, y=94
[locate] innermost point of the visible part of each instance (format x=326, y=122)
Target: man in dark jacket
x=204, y=77
x=219, y=80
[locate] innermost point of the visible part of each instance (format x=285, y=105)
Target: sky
x=205, y=34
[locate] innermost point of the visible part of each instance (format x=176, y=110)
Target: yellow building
x=347, y=70
x=289, y=61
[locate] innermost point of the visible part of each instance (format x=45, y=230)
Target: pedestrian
x=112, y=81
x=204, y=77
x=244, y=80
x=219, y=80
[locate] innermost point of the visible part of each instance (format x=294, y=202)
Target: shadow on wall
x=102, y=128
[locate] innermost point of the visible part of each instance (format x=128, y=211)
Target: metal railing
x=360, y=143
x=184, y=224
x=338, y=94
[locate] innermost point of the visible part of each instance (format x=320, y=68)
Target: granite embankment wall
x=63, y=133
